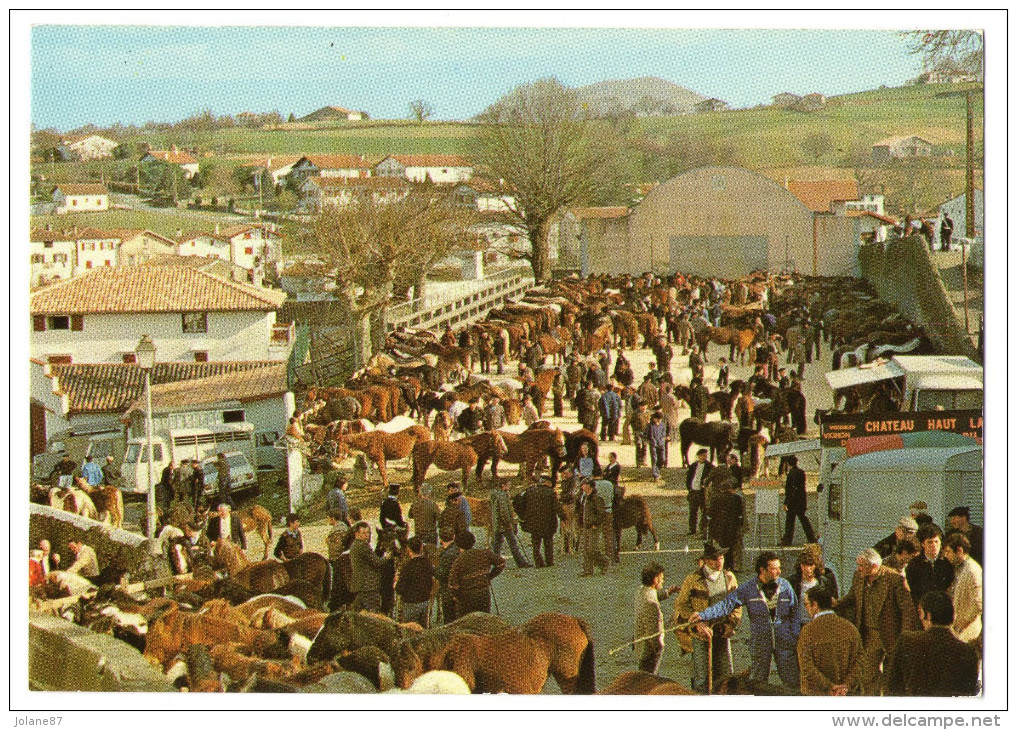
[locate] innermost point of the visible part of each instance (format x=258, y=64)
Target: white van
x=242, y=474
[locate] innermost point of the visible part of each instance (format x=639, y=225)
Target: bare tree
x=539, y=140
x=963, y=47
x=373, y=243
x=420, y=110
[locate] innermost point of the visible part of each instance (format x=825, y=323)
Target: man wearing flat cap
x=906, y=527
x=702, y=588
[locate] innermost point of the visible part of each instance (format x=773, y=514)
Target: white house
x=98, y=248
x=52, y=255
x=871, y=203
x=254, y=248
x=192, y=315
x=329, y=166
x=786, y=99
x=173, y=156
x=893, y=148
x=318, y=193
x=440, y=169
x=274, y=168
x=86, y=147
x=80, y=198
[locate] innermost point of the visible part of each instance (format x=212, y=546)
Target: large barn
x=722, y=221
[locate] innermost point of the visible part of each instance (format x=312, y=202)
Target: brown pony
x=446, y=455
x=312, y=568
x=542, y=382
x=649, y=327
x=417, y=653
x=508, y=662
x=379, y=446
x=567, y=642
x=644, y=683
x=526, y=448
x=741, y=339
x=554, y=345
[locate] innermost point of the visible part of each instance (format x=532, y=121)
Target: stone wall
x=904, y=274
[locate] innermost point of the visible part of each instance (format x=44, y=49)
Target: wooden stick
x=709, y=666
x=679, y=627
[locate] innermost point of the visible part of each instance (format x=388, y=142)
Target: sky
x=95, y=74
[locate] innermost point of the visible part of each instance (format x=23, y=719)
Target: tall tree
x=374, y=243
x=420, y=110
x=539, y=140
x=817, y=144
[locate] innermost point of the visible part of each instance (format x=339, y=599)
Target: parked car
x=241, y=472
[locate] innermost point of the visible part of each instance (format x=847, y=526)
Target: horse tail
x=586, y=681
x=326, y=585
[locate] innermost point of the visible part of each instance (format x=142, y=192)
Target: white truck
x=919, y=382
x=234, y=439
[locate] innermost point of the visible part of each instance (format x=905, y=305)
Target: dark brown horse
x=417, y=653
x=315, y=570
x=634, y=512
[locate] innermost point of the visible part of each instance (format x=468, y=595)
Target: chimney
x=217, y=229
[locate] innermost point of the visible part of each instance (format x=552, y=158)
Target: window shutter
x=39, y=323
x=77, y=323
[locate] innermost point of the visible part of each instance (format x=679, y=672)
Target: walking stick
x=709, y=666
x=632, y=644
x=494, y=599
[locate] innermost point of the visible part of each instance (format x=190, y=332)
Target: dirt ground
x=606, y=601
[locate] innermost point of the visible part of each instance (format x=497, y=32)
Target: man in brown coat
x=829, y=648
x=591, y=512
x=879, y=605
x=469, y=581
x=933, y=662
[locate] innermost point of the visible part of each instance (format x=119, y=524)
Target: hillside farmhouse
x=80, y=198
x=898, y=148
x=335, y=113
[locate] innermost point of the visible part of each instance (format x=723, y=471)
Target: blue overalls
x=771, y=637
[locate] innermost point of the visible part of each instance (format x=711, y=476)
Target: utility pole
x=969, y=188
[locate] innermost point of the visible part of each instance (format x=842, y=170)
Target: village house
x=711, y=105
x=335, y=113
x=256, y=248
x=810, y=103
x=68, y=400
x=274, y=168
x=191, y=315
x=957, y=210
x=318, y=193
x=821, y=196
x=898, y=148
x=118, y=247
x=439, y=169
x=52, y=255
x=173, y=156
x=80, y=198
x=329, y=166
x=485, y=196
x=86, y=147
x=567, y=236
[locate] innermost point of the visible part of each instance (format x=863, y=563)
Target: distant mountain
x=646, y=97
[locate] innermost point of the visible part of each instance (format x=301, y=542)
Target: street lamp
x=145, y=355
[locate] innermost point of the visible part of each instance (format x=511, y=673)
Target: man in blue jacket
x=773, y=617
x=610, y=411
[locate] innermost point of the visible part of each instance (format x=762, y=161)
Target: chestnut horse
x=741, y=340
x=644, y=683
x=569, y=645
x=509, y=662
x=379, y=446
x=526, y=448
x=446, y=455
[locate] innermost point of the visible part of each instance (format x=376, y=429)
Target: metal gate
x=722, y=256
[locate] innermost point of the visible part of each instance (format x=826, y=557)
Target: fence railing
x=466, y=302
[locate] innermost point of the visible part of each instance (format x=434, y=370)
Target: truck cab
x=918, y=382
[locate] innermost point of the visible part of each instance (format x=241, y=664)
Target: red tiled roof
x=817, y=195
x=273, y=163
x=243, y=385
x=151, y=289
x=40, y=235
x=81, y=189
x=113, y=387
x=242, y=228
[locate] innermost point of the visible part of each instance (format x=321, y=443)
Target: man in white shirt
x=85, y=564
x=649, y=617
x=966, y=589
